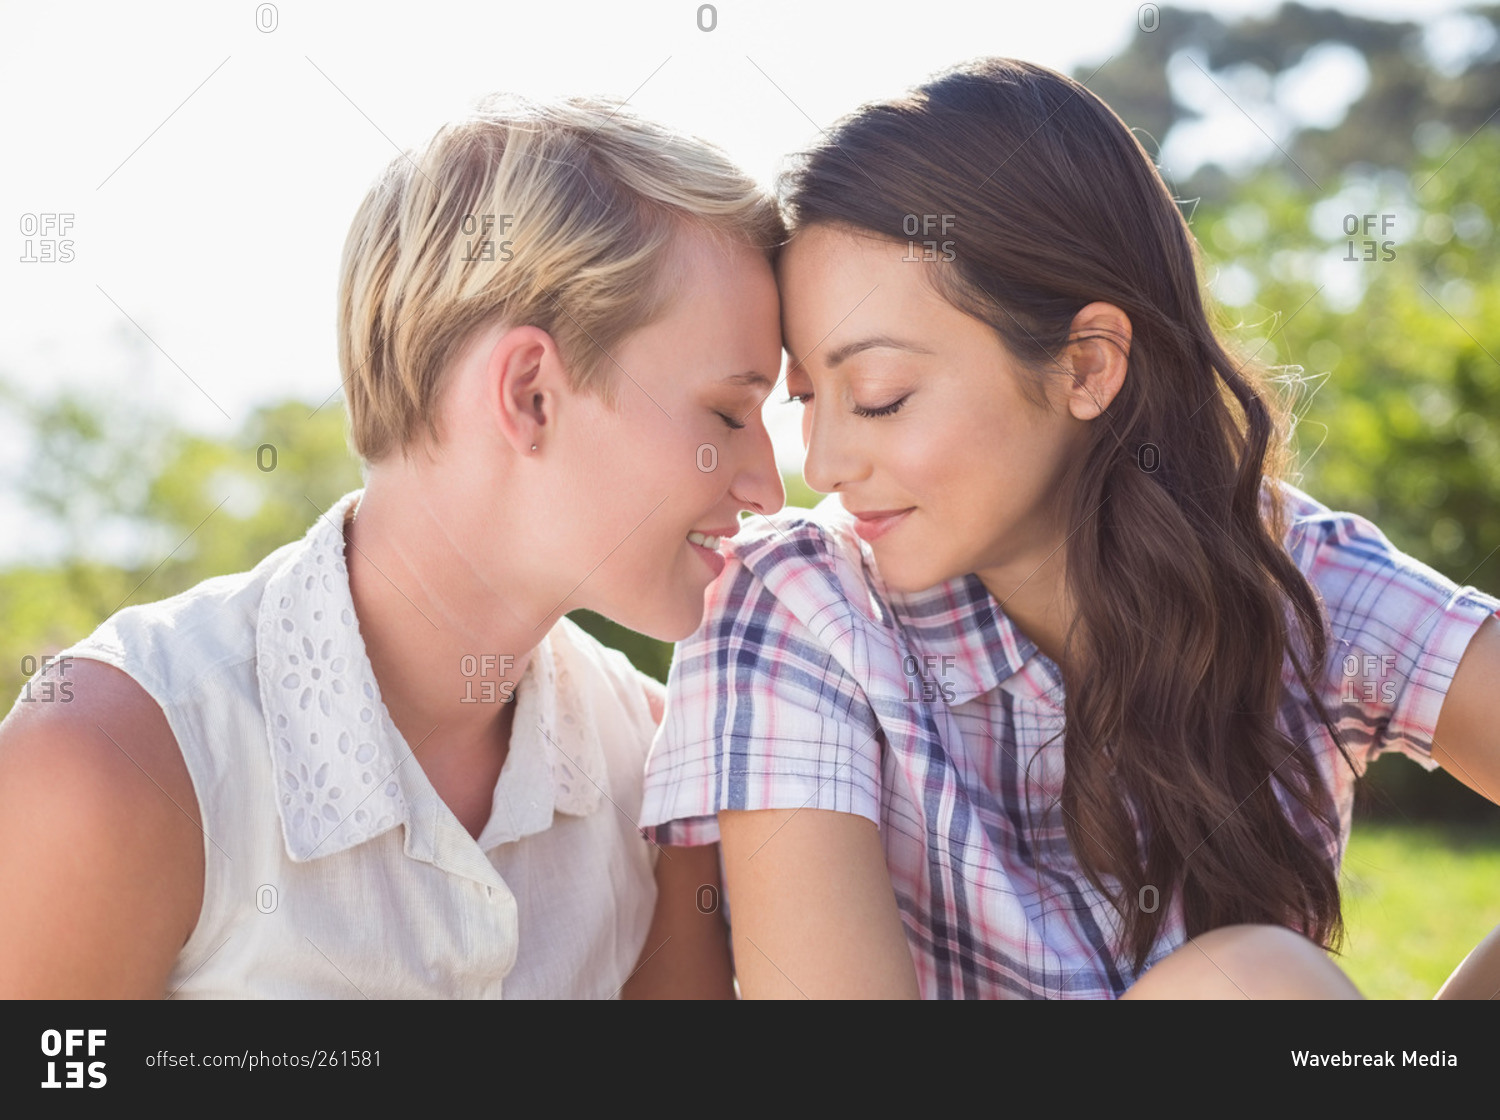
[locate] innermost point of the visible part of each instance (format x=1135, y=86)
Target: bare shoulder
x=101, y=850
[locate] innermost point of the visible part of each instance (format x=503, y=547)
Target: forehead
x=838, y=286
x=704, y=272
x=721, y=314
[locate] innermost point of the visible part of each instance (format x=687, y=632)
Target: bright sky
x=211, y=168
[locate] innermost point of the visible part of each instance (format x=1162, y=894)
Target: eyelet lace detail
x=333, y=745
x=335, y=785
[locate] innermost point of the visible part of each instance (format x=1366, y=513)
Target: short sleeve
x=761, y=714
x=1399, y=629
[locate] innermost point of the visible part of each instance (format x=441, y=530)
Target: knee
x=1245, y=962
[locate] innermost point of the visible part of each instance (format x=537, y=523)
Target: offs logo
x=67, y=1044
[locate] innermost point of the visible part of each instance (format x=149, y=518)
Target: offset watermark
x=1370, y=678
x=46, y=238
x=927, y=678
x=707, y=899
x=40, y=686
x=1366, y=237
x=490, y=673
x=1148, y=17
x=482, y=226
x=707, y=458
x=707, y=17
x=266, y=18
x=74, y=1044
x=933, y=228
x=1148, y=457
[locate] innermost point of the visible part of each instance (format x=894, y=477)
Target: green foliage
x=1417, y=899
x=1390, y=365
x=1396, y=396
x=799, y=493
x=178, y=506
x=198, y=507
x=1409, y=105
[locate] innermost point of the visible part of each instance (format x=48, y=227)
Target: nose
x=831, y=461
x=757, y=483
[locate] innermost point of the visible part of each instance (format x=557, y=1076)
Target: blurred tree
x=182, y=507
x=144, y=511
x=1389, y=363
x=1413, y=99
x=1364, y=275
x=1396, y=394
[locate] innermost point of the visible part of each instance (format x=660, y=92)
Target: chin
x=908, y=579
x=684, y=620
x=664, y=621
x=666, y=630
x=902, y=577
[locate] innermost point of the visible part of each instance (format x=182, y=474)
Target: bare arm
x=1466, y=742
x=814, y=913
x=1467, y=745
x=101, y=854
x=686, y=955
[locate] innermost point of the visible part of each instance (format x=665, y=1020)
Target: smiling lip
x=873, y=524
x=710, y=556
x=723, y=534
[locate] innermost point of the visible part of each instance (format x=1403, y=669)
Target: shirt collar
x=336, y=755
x=955, y=641
x=961, y=644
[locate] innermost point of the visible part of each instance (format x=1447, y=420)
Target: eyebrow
x=840, y=354
x=752, y=379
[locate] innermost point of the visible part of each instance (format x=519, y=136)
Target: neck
x=1031, y=592
x=447, y=646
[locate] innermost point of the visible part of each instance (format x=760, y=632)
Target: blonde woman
x=382, y=762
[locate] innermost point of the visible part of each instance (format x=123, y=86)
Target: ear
x=525, y=381
x=1097, y=356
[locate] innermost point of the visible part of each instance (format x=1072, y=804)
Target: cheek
x=938, y=458
x=634, y=448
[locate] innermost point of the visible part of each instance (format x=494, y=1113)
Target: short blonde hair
x=562, y=215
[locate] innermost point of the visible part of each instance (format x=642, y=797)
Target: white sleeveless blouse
x=332, y=868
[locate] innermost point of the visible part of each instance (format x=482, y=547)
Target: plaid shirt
x=811, y=685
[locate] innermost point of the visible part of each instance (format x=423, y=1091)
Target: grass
x=1417, y=898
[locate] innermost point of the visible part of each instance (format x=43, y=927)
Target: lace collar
x=336, y=754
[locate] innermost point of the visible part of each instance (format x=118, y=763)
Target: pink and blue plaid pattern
x=810, y=685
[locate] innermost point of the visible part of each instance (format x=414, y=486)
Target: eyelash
x=869, y=413
x=734, y=425
x=885, y=410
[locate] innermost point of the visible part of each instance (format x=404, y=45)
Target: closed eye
x=735, y=425
x=883, y=410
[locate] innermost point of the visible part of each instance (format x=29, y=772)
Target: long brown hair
x=1035, y=199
